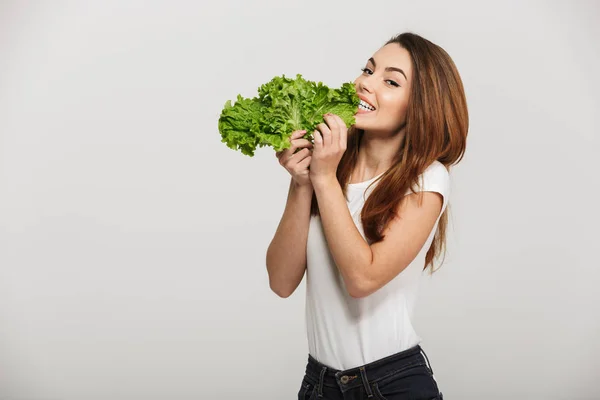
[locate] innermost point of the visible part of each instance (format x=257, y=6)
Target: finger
x=301, y=143
x=297, y=134
x=295, y=144
x=333, y=127
x=325, y=134
x=303, y=165
x=318, y=140
x=343, y=131
x=299, y=156
x=298, y=146
x=285, y=154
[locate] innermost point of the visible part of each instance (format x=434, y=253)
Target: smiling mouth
x=364, y=106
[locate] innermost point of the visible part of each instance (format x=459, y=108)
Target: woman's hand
x=296, y=163
x=330, y=144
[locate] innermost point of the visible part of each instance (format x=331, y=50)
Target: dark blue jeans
x=402, y=376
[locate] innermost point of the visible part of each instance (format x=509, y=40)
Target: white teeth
x=365, y=106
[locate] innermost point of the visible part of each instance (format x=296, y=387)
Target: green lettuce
x=282, y=106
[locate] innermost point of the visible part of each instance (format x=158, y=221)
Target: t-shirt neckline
x=364, y=184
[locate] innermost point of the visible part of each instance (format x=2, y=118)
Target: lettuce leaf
x=282, y=106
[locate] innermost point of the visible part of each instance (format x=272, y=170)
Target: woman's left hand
x=330, y=144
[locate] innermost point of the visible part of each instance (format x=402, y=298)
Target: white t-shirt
x=345, y=332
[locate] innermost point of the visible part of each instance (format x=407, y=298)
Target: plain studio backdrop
x=133, y=242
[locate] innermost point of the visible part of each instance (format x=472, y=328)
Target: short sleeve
x=436, y=179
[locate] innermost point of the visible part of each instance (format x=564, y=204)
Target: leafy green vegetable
x=283, y=105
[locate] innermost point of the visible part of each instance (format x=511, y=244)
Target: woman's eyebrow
x=372, y=60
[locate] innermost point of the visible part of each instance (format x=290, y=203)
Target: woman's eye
x=367, y=71
x=393, y=83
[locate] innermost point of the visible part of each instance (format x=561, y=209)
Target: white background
x=132, y=241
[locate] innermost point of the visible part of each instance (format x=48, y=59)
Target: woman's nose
x=363, y=85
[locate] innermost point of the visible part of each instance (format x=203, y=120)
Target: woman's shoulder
x=435, y=177
x=437, y=170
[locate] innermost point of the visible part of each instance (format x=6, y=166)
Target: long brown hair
x=436, y=128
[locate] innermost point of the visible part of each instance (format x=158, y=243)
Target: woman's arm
x=365, y=268
x=286, y=255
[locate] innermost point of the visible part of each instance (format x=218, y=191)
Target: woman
x=365, y=216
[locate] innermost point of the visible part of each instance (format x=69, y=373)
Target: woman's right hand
x=297, y=163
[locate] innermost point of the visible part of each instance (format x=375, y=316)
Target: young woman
x=366, y=214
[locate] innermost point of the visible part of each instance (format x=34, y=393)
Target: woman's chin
x=360, y=122
x=363, y=125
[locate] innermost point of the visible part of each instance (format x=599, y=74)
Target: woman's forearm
x=286, y=255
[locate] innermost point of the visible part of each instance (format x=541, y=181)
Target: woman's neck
x=376, y=155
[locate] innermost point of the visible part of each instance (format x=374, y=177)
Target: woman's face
x=384, y=86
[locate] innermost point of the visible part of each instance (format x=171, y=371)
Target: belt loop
x=320, y=384
x=366, y=383
x=427, y=359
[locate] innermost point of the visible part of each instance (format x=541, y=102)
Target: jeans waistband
x=366, y=374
